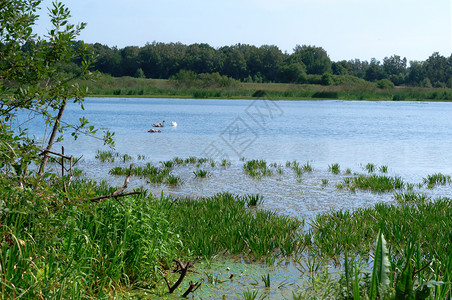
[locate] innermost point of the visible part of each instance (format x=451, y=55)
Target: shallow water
x=412, y=138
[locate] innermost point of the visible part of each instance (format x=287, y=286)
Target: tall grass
x=79, y=249
x=344, y=87
x=223, y=224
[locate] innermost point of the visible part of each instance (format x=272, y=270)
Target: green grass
x=412, y=239
x=224, y=225
x=436, y=179
x=375, y=183
x=172, y=180
x=334, y=168
x=201, y=173
x=370, y=168
x=253, y=200
x=344, y=87
x=256, y=168
x=384, y=169
x=106, y=156
x=307, y=167
x=411, y=197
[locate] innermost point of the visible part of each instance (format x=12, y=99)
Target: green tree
x=394, y=68
x=374, y=71
x=291, y=73
x=32, y=77
x=437, y=68
x=416, y=73
x=315, y=59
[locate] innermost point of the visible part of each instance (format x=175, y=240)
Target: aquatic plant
x=178, y=161
x=106, y=156
x=249, y=295
x=411, y=197
x=223, y=224
x=167, y=164
x=256, y=168
x=406, y=229
x=384, y=169
x=172, y=180
x=225, y=162
x=374, y=183
x=298, y=170
x=203, y=160
x=307, y=167
x=200, y=173
x=191, y=160
x=266, y=279
x=348, y=171
x=253, y=200
x=436, y=179
x=324, y=181
x=370, y=168
x=334, y=168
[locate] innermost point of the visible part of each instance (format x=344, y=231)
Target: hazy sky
x=346, y=29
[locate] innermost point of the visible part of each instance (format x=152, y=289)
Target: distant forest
x=265, y=64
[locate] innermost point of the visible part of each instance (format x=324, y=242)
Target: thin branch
x=192, y=288
x=97, y=199
x=116, y=194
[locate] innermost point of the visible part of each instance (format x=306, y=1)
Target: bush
x=385, y=84
x=326, y=79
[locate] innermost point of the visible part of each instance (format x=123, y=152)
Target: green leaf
x=404, y=288
x=381, y=270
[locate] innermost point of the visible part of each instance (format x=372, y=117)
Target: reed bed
x=224, y=225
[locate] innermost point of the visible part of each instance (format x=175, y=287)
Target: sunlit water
x=414, y=139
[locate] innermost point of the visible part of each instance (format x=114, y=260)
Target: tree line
x=266, y=63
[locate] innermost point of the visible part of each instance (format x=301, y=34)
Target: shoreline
x=162, y=96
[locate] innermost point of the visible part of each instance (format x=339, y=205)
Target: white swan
x=173, y=124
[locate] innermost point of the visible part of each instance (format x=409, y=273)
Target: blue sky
x=346, y=29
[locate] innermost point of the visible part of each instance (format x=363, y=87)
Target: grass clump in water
x=201, y=173
x=106, y=156
x=370, y=168
x=307, y=167
x=256, y=168
x=436, y=179
x=334, y=168
x=374, y=183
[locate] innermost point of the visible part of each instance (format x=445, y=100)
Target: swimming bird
x=159, y=124
x=173, y=124
x=154, y=130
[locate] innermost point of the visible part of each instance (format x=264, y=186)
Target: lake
x=414, y=139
